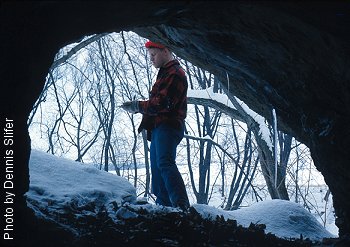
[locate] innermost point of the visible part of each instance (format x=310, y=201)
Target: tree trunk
x=146, y=151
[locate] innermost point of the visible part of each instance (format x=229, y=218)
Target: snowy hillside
x=58, y=185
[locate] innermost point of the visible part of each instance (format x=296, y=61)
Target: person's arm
x=165, y=98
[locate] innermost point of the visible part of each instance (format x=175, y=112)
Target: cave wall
x=291, y=57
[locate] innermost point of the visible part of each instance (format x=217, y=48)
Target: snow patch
x=56, y=183
x=283, y=218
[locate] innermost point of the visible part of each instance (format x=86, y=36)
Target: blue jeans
x=167, y=183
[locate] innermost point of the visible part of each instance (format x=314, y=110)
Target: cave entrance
x=78, y=111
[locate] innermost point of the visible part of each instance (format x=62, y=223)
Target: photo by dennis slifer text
x=8, y=185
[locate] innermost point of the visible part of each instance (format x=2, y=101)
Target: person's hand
x=131, y=106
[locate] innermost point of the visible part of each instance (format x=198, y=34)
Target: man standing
x=163, y=118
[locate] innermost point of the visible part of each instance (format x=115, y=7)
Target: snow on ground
x=57, y=182
x=283, y=218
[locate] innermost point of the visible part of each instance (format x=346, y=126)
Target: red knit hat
x=150, y=44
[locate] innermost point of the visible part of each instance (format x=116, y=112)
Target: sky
x=56, y=183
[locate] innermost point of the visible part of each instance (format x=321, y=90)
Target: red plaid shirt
x=167, y=102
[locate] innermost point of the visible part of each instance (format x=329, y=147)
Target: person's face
x=158, y=57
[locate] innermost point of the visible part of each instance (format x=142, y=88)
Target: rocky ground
x=139, y=227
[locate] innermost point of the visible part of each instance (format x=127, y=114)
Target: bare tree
x=63, y=100
x=61, y=58
x=265, y=152
x=207, y=129
x=241, y=182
